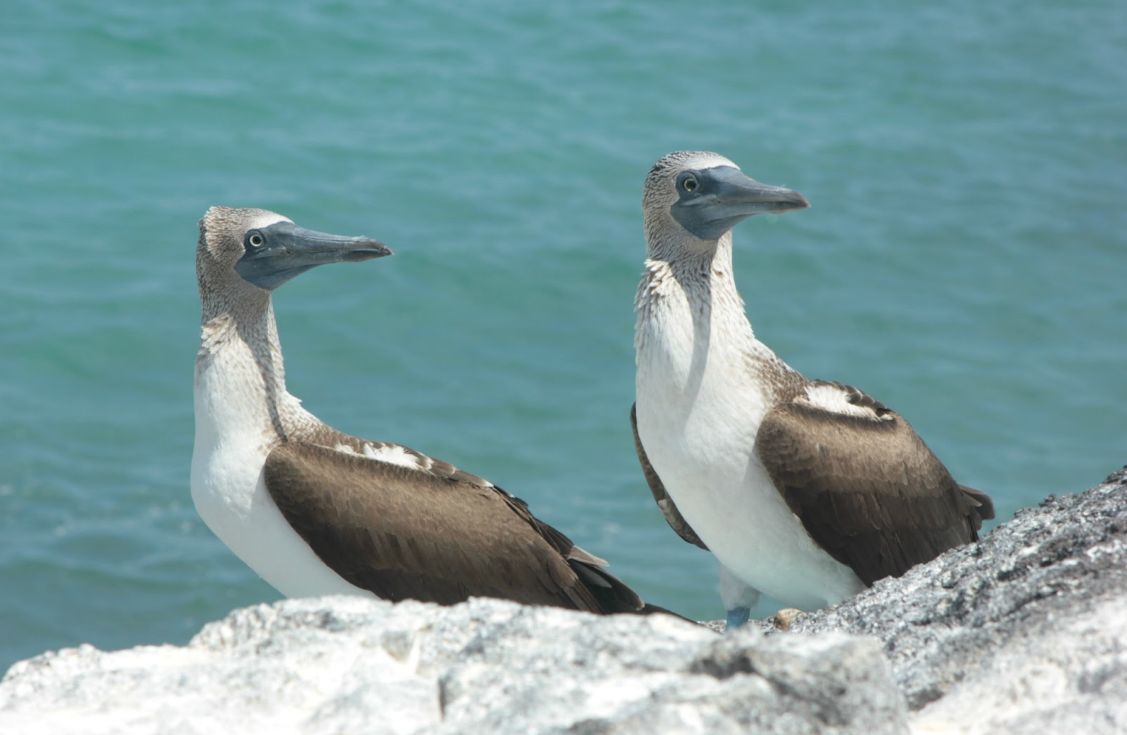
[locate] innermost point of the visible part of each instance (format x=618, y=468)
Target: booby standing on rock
x=314, y=511
x=805, y=490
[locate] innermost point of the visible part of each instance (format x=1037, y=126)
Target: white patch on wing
x=392, y=454
x=345, y=449
x=835, y=400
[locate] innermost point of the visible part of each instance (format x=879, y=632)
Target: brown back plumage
x=867, y=490
x=404, y=533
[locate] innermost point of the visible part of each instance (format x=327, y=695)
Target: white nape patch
x=266, y=219
x=706, y=159
x=392, y=454
x=835, y=400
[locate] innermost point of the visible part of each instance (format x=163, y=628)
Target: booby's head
x=701, y=196
x=248, y=250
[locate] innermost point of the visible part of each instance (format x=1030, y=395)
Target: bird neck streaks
x=240, y=364
x=697, y=284
x=691, y=325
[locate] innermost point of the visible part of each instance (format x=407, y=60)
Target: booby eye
x=689, y=183
x=255, y=239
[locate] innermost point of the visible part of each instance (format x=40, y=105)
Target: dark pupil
x=256, y=239
x=690, y=184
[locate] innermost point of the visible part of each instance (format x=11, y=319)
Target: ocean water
x=965, y=258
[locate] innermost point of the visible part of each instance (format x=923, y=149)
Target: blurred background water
x=964, y=259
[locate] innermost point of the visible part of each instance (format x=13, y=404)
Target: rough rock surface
x=487, y=666
x=1024, y=632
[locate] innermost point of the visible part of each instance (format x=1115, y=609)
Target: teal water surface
x=965, y=258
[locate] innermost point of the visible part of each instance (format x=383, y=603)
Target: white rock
x=1021, y=633
x=350, y=665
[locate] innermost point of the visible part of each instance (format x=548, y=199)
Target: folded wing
x=404, y=533
x=865, y=486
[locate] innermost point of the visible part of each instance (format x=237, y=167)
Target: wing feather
x=866, y=487
x=404, y=533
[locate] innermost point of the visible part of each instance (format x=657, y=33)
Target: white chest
x=233, y=437
x=699, y=405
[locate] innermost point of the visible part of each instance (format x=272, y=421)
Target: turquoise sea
x=965, y=258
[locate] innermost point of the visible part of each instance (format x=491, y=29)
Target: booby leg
x=738, y=598
x=737, y=617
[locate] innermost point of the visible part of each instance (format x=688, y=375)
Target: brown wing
x=403, y=533
x=665, y=503
x=867, y=490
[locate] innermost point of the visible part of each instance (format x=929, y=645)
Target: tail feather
x=985, y=506
x=612, y=594
x=648, y=609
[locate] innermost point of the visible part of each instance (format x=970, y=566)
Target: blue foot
x=738, y=616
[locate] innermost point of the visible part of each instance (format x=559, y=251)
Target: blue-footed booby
x=315, y=511
x=805, y=490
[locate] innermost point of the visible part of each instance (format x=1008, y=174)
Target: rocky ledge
x=1024, y=632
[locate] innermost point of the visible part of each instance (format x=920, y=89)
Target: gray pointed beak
x=741, y=194
x=275, y=254
x=725, y=196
